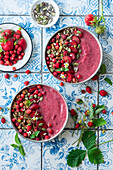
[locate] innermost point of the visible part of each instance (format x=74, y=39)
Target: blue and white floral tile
x=106, y=40
x=11, y=159
x=107, y=100
x=107, y=7
x=62, y=22
x=80, y=7
x=9, y=88
x=56, y=151
x=71, y=93
x=34, y=64
x=107, y=150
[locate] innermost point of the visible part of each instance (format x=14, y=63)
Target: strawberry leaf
x=108, y=81
x=89, y=139
x=14, y=145
x=99, y=122
x=95, y=156
x=17, y=140
x=75, y=157
x=21, y=150
x=103, y=69
x=99, y=109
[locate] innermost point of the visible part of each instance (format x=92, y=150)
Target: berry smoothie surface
x=38, y=112
x=73, y=55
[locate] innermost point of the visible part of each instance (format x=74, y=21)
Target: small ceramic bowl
x=45, y=140
x=101, y=52
x=55, y=17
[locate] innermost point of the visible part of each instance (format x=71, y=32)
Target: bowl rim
x=100, y=46
x=55, y=18
x=40, y=141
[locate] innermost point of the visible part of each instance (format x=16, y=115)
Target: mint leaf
x=91, y=112
x=108, y=81
x=37, y=133
x=103, y=69
x=17, y=140
x=32, y=136
x=21, y=150
x=28, y=103
x=66, y=69
x=99, y=109
x=95, y=156
x=89, y=139
x=99, y=122
x=75, y=157
x=14, y=145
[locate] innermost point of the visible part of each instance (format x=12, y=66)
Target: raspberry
x=27, y=71
x=3, y=120
x=6, y=76
x=26, y=83
x=88, y=89
x=103, y=93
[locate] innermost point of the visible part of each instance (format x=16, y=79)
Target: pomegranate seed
x=25, y=134
x=49, y=124
x=18, y=36
x=13, y=120
x=21, y=104
x=39, y=94
x=17, y=124
x=26, y=83
x=37, y=139
x=13, y=68
x=6, y=76
x=18, y=32
x=27, y=71
x=22, y=95
x=19, y=49
x=104, y=111
x=15, y=75
x=46, y=137
x=61, y=84
x=79, y=76
x=3, y=120
x=39, y=86
x=50, y=131
x=20, y=130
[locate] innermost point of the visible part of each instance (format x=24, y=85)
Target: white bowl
x=28, y=50
x=54, y=19
x=46, y=140
x=101, y=52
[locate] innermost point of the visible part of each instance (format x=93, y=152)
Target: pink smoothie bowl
x=73, y=45
x=38, y=109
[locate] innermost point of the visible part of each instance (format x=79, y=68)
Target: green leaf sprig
x=18, y=145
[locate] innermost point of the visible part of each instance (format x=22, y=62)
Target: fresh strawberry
x=67, y=59
x=8, y=33
x=22, y=43
x=8, y=45
x=88, y=18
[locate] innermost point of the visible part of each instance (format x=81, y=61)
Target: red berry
x=49, y=124
x=39, y=86
x=55, y=73
x=13, y=120
x=15, y=75
x=36, y=92
x=88, y=89
x=20, y=130
x=25, y=135
x=39, y=94
x=21, y=104
x=94, y=105
x=64, y=36
x=18, y=36
x=46, y=137
x=29, y=127
x=88, y=18
x=90, y=124
x=19, y=49
x=111, y=113
x=61, y=84
x=77, y=126
x=22, y=95
x=104, y=111
x=37, y=139
x=13, y=110
x=103, y=93
x=95, y=77
x=6, y=76
x=52, y=55
x=54, y=60
x=73, y=113
x=18, y=32
x=13, y=68
x=27, y=71
x=48, y=47
x=50, y=131
x=21, y=117
x=83, y=91
x=79, y=76
x=28, y=111
x=53, y=40
x=26, y=83
x=17, y=124
x=3, y=120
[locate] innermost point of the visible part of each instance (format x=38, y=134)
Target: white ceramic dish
x=101, y=52
x=28, y=50
x=54, y=19
x=39, y=140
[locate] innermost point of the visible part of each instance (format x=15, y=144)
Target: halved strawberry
x=67, y=59
x=22, y=43
x=69, y=77
x=8, y=45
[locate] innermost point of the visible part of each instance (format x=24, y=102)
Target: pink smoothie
x=90, y=57
x=53, y=109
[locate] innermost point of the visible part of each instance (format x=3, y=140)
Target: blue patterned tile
x=62, y=22
x=11, y=159
x=107, y=7
x=80, y=7
x=106, y=40
x=71, y=93
x=55, y=152
x=10, y=87
x=34, y=64
x=107, y=100
x=107, y=150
